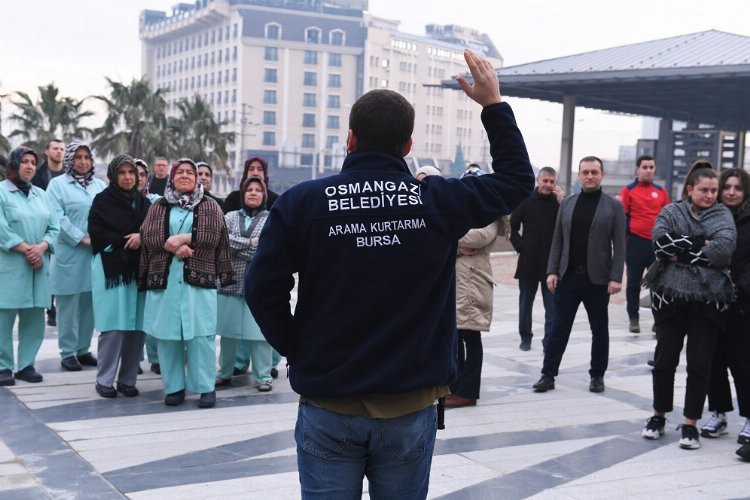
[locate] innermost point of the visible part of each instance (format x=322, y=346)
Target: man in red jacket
x=642, y=200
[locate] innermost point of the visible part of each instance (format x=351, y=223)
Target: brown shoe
x=456, y=401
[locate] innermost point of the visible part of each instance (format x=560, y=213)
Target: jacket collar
x=374, y=160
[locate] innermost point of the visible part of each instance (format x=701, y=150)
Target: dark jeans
x=335, y=452
x=573, y=289
x=639, y=254
x=733, y=351
x=675, y=323
x=470, y=357
x=526, y=297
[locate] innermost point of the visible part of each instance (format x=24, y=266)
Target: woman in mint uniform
x=184, y=252
x=114, y=223
x=236, y=325
x=70, y=197
x=28, y=233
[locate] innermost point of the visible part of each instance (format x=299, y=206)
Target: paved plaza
x=59, y=439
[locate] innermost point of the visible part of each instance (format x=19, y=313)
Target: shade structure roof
x=699, y=77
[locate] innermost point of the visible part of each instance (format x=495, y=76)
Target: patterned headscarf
x=142, y=164
x=14, y=164
x=70, y=152
x=115, y=165
x=188, y=201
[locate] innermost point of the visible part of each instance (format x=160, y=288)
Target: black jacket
x=43, y=176
x=537, y=215
x=375, y=250
x=740, y=266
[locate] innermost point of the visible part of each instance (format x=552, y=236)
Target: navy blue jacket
x=375, y=250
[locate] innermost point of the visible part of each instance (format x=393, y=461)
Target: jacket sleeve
x=480, y=238
x=721, y=234
x=238, y=244
x=516, y=218
x=223, y=255
x=555, y=251
x=618, y=243
x=270, y=279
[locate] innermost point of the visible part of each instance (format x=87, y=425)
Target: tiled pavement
x=58, y=439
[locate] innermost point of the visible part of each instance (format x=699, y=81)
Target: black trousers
x=733, y=352
x=470, y=356
x=639, y=254
x=573, y=289
x=701, y=326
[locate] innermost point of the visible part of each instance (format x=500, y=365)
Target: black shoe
x=237, y=372
x=207, y=400
x=51, y=320
x=87, y=359
x=29, y=374
x=175, y=398
x=106, y=392
x=525, y=345
x=223, y=382
x=70, y=364
x=140, y=371
x=156, y=368
x=274, y=373
x=744, y=452
x=597, y=384
x=544, y=384
x=129, y=391
x=6, y=378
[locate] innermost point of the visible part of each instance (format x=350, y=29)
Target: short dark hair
x=699, y=168
x=53, y=140
x=382, y=120
x=744, y=178
x=642, y=158
x=547, y=171
x=592, y=158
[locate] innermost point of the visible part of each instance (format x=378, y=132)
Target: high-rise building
x=283, y=75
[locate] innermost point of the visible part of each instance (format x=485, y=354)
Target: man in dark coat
x=532, y=226
x=52, y=166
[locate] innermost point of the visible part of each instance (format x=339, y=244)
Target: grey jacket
x=606, y=248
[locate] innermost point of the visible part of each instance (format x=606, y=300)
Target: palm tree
x=198, y=135
x=48, y=118
x=136, y=121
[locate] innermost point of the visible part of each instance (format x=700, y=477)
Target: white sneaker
x=715, y=427
x=744, y=437
x=690, y=439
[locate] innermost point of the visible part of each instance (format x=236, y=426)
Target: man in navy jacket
x=371, y=344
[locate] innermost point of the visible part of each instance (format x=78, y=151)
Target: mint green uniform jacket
x=26, y=219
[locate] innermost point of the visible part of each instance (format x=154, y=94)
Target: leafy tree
x=136, y=121
x=197, y=135
x=50, y=117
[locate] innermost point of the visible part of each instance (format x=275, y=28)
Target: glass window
x=269, y=118
x=311, y=78
x=331, y=140
x=312, y=35
x=272, y=54
x=270, y=75
x=334, y=101
x=308, y=140
x=332, y=122
x=269, y=96
x=334, y=81
x=308, y=100
x=334, y=60
x=308, y=120
x=311, y=57
x=337, y=37
x=273, y=31
x=269, y=138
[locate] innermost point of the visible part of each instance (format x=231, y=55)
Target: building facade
x=283, y=74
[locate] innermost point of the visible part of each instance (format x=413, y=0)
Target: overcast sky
x=75, y=43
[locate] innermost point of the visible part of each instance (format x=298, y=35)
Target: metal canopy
x=701, y=77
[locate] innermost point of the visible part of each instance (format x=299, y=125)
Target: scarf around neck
x=70, y=152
